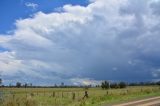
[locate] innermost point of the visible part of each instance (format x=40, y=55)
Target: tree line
x=107, y=85
x=103, y=85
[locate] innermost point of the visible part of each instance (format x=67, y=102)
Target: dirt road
x=154, y=101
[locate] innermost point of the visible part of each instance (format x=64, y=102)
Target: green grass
x=63, y=96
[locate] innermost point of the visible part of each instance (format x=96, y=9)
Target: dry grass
x=64, y=96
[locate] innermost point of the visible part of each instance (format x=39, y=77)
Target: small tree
x=122, y=85
x=114, y=85
x=10, y=85
x=30, y=84
x=18, y=84
x=62, y=84
x=105, y=85
x=158, y=83
x=102, y=85
x=0, y=81
x=25, y=85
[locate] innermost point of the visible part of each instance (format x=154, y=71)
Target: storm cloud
x=106, y=40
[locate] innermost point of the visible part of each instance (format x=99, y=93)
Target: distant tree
x=62, y=84
x=25, y=85
x=158, y=83
x=55, y=85
x=102, y=85
x=18, y=84
x=97, y=86
x=105, y=85
x=10, y=85
x=141, y=83
x=30, y=84
x=0, y=81
x=133, y=84
x=114, y=85
x=122, y=85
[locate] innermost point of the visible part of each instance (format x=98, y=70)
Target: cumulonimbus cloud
x=108, y=39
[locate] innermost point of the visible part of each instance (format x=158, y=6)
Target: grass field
x=73, y=96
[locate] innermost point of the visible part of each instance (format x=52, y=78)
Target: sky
x=12, y=10
x=79, y=42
